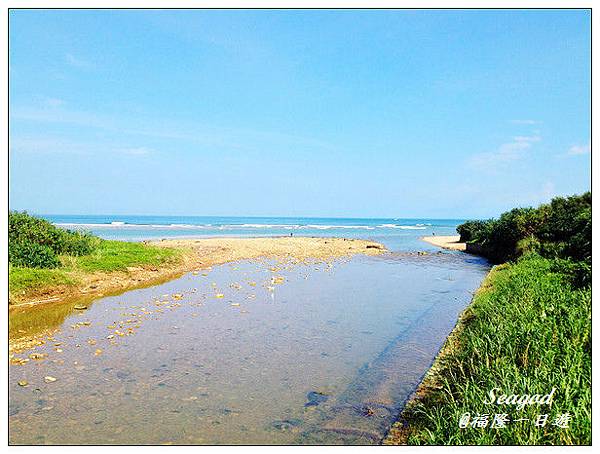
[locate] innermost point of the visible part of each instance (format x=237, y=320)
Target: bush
x=579, y=273
x=504, y=234
x=561, y=229
x=471, y=230
x=528, y=245
x=32, y=255
x=36, y=243
x=78, y=243
x=23, y=228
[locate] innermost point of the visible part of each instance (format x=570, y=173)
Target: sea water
x=395, y=233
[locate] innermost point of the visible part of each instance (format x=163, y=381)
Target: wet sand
x=199, y=254
x=446, y=242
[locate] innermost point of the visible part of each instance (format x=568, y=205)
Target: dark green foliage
x=470, y=230
x=569, y=223
x=578, y=273
x=36, y=243
x=561, y=229
x=32, y=255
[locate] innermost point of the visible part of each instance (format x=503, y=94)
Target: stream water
x=255, y=352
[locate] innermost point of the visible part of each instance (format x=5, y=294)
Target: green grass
x=526, y=332
x=24, y=279
x=118, y=255
x=108, y=256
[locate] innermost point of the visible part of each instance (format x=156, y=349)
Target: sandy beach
x=446, y=242
x=199, y=254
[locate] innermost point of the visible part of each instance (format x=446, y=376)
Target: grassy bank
x=107, y=257
x=527, y=330
x=45, y=260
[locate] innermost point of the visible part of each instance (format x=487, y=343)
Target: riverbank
x=119, y=266
x=527, y=331
x=446, y=242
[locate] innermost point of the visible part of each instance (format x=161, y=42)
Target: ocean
x=397, y=234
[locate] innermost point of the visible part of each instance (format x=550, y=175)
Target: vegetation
x=119, y=255
x=42, y=256
x=561, y=230
x=36, y=243
x=528, y=330
x=23, y=280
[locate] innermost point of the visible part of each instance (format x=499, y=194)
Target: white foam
x=124, y=225
x=403, y=227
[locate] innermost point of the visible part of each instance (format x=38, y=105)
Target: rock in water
x=286, y=424
x=315, y=398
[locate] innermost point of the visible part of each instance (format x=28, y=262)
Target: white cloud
x=138, y=151
x=56, y=113
x=203, y=134
x=78, y=62
x=526, y=122
x=527, y=139
x=59, y=145
x=53, y=102
x=579, y=150
x=507, y=152
x=47, y=145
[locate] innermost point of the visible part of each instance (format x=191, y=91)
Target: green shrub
x=561, y=229
x=36, y=243
x=24, y=228
x=578, y=273
x=471, y=230
x=32, y=255
x=527, y=245
x=78, y=243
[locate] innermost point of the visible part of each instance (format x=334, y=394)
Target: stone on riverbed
x=286, y=424
x=315, y=398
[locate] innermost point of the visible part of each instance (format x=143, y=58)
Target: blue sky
x=448, y=114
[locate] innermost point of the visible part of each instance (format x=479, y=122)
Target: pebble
x=37, y=356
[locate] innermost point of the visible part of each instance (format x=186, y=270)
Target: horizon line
x=254, y=216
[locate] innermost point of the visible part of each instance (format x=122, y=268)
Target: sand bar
x=214, y=251
x=446, y=242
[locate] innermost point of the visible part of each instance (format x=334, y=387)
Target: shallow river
x=255, y=352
